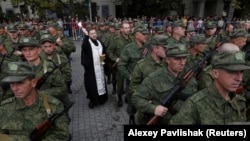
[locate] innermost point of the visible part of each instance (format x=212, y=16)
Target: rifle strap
x=58, y=59
x=46, y=104
x=144, y=53
x=45, y=68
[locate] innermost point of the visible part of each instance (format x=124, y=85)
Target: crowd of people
x=143, y=62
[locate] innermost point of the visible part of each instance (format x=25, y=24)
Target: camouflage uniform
x=194, y=59
x=114, y=51
x=20, y=120
x=143, y=68
x=54, y=84
x=130, y=55
x=171, y=39
x=60, y=60
x=208, y=106
x=158, y=85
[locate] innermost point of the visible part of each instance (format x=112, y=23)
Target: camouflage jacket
x=19, y=120
x=115, y=49
x=130, y=55
x=208, y=107
x=155, y=88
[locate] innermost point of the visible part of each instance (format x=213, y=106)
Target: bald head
x=228, y=47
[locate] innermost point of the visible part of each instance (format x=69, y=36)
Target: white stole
x=98, y=67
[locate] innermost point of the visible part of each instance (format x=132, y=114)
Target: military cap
x=22, y=26
x=141, y=29
x=41, y=32
x=51, y=24
x=190, y=29
x=238, y=33
x=158, y=29
x=47, y=37
x=176, y=50
x=210, y=24
x=230, y=60
x=28, y=41
x=12, y=28
x=101, y=24
x=116, y=26
x=197, y=39
x=31, y=28
x=178, y=23
x=160, y=41
x=111, y=24
x=59, y=28
x=18, y=71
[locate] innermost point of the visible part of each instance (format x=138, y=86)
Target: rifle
x=175, y=91
x=43, y=127
x=44, y=77
x=1, y=64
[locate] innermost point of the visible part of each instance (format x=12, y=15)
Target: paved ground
x=103, y=123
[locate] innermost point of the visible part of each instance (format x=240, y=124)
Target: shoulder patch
x=8, y=100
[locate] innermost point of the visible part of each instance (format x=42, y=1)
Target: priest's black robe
x=89, y=74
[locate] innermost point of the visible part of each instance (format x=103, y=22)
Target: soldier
x=210, y=33
x=205, y=77
x=23, y=30
x=11, y=43
x=148, y=65
x=148, y=96
x=29, y=107
x=114, y=52
x=223, y=36
x=189, y=33
x=3, y=33
x=48, y=46
x=54, y=84
x=130, y=55
x=212, y=104
x=239, y=38
x=5, y=58
x=65, y=44
x=197, y=48
x=178, y=33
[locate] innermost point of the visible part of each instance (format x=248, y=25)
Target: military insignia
x=239, y=56
x=25, y=40
x=13, y=66
x=182, y=47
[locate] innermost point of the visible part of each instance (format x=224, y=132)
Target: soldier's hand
x=161, y=110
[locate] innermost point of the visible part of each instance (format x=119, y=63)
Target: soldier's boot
x=120, y=103
x=132, y=120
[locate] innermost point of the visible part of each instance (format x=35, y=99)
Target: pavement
x=102, y=123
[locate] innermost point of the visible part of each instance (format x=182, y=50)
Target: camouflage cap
x=178, y=23
x=12, y=28
x=197, y=39
x=111, y=24
x=141, y=29
x=101, y=24
x=230, y=60
x=47, y=38
x=238, y=33
x=210, y=24
x=190, y=29
x=41, y=32
x=31, y=28
x=116, y=26
x=176, y=50
x=18, y=71
x=160, y=41
x=22, y=26
x=158, y=29
x=51, y=24
x=27, y=41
